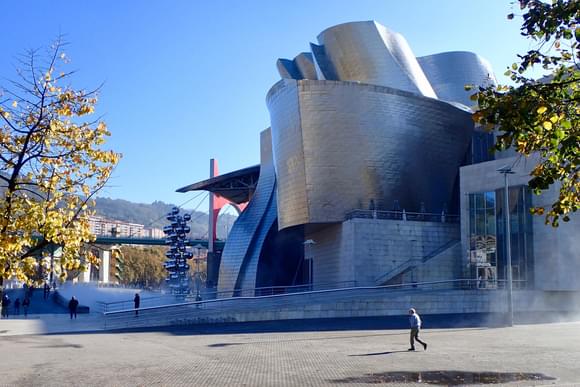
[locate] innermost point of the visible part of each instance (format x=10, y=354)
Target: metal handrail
x=408, y=264
x=471, y=284
x=403, y=215
x=415, y=261
x=260, y=291
x=126, y=304
x=182, y=312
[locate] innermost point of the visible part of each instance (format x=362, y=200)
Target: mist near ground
x=93, y=296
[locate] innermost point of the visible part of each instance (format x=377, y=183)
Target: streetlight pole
x=197, y=274
x=307, y=247
x=506, y=170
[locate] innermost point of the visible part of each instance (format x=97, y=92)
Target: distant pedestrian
x=25, y=306
x=72, y=307
x=5, y=304
x=46, y=291
x=17, y=307
x=137, y=301
x=415, y=322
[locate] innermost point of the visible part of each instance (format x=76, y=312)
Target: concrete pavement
x=183, y=356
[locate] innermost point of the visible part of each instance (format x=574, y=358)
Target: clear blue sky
x=186, y=80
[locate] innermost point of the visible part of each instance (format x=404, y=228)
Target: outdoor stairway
x=413, y=263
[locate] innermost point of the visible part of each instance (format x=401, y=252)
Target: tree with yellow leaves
x=52, y=163
x=542, y=117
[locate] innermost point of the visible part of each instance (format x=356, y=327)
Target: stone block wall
x=362, y=250
x=377, y=304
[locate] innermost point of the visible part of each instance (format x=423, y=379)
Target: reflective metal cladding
x=340, y=145
x=368, y=52
x=449, y=72
x=358, y=123
x=241, y=253
x=378, y=126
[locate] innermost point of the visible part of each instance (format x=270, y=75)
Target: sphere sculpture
x=178, y=254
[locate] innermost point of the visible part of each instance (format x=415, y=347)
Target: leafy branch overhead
x=52, y=163
x=541, y=116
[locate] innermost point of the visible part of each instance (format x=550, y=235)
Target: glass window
x=479, y=201
x=480, y=222
x=490, y=221
x=520, y=234
x=490, y=199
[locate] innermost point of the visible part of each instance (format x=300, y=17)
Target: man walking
x=5, y=304
x=72, y=307
x=46, y=293
x=415, y=322
x=25, y=306
x=137, y=302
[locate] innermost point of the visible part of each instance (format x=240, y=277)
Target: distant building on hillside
x=101, y=226
x=155, y=233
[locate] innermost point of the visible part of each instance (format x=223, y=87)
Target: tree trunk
x=1, y=294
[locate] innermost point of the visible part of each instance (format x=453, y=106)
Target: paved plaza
x=186, y=356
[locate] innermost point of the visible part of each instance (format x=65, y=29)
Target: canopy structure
x=237, y=186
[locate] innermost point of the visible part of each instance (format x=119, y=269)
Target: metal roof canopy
x=237, y=186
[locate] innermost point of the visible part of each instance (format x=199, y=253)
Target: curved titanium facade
x=357, y=123
x=449, y=72
x=368, y=52
x=302, y=67
x=238, y=267
x=339, y=145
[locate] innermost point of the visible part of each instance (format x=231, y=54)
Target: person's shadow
x=379, y=353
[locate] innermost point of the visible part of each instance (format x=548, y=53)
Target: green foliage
x=542, y=116
x=52, y=162
x=143, y=266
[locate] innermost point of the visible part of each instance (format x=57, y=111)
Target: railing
x=414, y=262
x=273, y=290
x=407, y=265
x=403, y=215
x=209, y=294
x=181, y=313
x=104, y=307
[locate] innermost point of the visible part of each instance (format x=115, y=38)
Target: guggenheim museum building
x=372, y=173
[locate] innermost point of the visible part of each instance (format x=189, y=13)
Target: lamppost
x=197, y=274
x=506, y=170
x=308, y=247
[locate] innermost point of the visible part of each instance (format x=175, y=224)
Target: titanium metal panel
x=368, y=52
x=305, y=63
x=324, y=67
x=241, y=252
x=287, y=69
x=449, y=72
x=289, y=158
x=337, y=145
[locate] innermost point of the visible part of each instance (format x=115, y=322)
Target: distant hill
x=153, y=215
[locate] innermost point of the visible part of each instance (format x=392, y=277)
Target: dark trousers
x=415, y=336
x=73, y=313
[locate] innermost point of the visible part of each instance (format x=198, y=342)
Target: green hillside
x=153, y=215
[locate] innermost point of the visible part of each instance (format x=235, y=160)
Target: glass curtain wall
x=520, y=236
x=487, y=252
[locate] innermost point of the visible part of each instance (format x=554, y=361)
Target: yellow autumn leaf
x=541, y=110
x=547, y=125
x=14, y=104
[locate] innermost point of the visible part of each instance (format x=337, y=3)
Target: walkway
x=185, y=357
x=38, y=305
